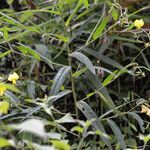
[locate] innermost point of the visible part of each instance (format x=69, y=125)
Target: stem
x=84, y=135
x=70, y=64
x=80, y=143
x=72, y=84
x=57, y=126
x=144, y=147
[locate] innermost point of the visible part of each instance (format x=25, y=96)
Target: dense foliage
x=74, y=74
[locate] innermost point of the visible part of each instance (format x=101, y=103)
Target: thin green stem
x=70, y=64
x=80, y=143
x=72, y=84
x=84, y=135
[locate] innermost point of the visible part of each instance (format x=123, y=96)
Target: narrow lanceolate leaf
x=5, y=53
x=44, y=53
x=79, y=4
x=110, y=61
x=25, y=16
x=10, y=20
x=139, y=120
x=78, y=73
x=90, y=115
x=62, y=38
x=115, y=14
x=105, y=59
x=54, y=98
x=12, y=97
x=97, y=85
x=59, y=79
x=100, y=28
x=84, y=59
x=117, y=133
x=10, y=87
x=27, y=50
x=31, y=89
x=110, y=78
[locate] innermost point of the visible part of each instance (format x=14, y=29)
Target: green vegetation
x=74, y=74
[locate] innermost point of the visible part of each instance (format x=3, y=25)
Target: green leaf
x=110, y=61
x=9, y=2
x=79, y=4
x=107, y=101
x=5, y=32
x=138, y=119
x=54, y=98
x=31, y=89
x=14, y=36
x=97, y=85
x=131, y=40
x=60, y=145
x=11, y=20
x=114, y=14
x=5, y=53
x=117, y=133
x=47, y=10
x=77, y=129
x=4, y=106
x=24, y=49
x=10, y=87
x=66, y=119
x=54, y=135
x=145, y=138
x=12, y=97
x=33, y=28
x=59, y=79
x=4, y=142
x=91, y=116
x=98, y=132
x=84, y=59
x=109, y=78
x=44, y=53
x=34, y=126
x=90, y=94
x=42, y=147
x=86, y=3
x=78, y=73
x=105, y=59
x=26, y=15
x=100, y=28
x=132, y=143
x=63, y=38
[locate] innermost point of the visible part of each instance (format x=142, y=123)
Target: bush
x=74, y=74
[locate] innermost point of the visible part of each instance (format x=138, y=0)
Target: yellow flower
x=146, y=110
x=138, y=23
x=13, y=77
x=2, y=90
